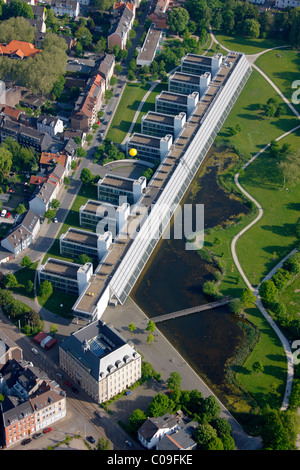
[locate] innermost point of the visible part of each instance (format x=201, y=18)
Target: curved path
x=284, y=341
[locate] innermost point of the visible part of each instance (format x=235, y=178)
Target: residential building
x=76, y=242
x=49, y=160
x=149, y=148
x=158, y=15
x=68, y=278
x=49, y=124
x=119, y=32
x=106, y=68
x=186, y=84
x=12, y=113
x=282, y=4
x=101, y=216
x=32, y=401
x=18, y=50
x=2, y=93
x=160, y=125
x=200, y=64
x=154, y=429
x=181, y=439
x=150, y=47
x=23, y=235
x=65, y=7
x=28, y=100
x=113, y=189
x=24, y=135
x=9, y=350
x=88, y=104
x=38, y=24
x=175, y=103
x=47, y=191
x=100, y=360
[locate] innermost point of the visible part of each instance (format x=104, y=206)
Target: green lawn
x=246, y=44
x=291, y=297
x=257, y=130
x=23, y=275
x=266, y=388
x=129, y=103
x=58, y=303
x=282, y=66
x=268, y=241
x=149, y=105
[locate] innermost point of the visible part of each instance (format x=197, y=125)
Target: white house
x=154, y=429
x=50, y=125
x=22, y=236
x=65, y=7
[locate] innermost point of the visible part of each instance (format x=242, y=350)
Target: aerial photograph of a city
x=150, y=228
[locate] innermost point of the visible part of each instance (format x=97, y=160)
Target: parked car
x=129, y=443
x=55, y=220
x=97, y=413
x=59, y=375
x=25, y=441
x=74, y=389
x=91, y=439
x=68, y=383
x=35, y=351
x=7, y=214
x=3, y=213
x=46, y=430
x=37, y=435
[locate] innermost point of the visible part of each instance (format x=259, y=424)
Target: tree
x=174, y=381
x=136, y=419
x=268, y=292
x=84, y=36
x=26, y=262
x=86, y=176
x=5, y=160
x=281, y=278
x=252, y=28
x=160, y=405
x=292, y=264
x=21, y=209
x=53, y=329
x=83, y=258
x=203, y=434
x=49, y=214
x=100, y=45
x=131, y=327
x=45, y=289
x=258, y=367
x=16, y=28
x=58, y=87
x=210, y=408
x=151, y=326
x=33, y=317
x=10, y=280
x=177, y=19
x=247, y=298
x=29, y=286
x=150, y=338
x=55, y=204
x=236, y=306
x=103, y=444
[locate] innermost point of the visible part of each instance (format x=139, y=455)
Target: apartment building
x=175, y=103
x=282, y=4
x=47, y=191
x=118, y=189
x=151, y=149
x=160, y=125
x=149, y=48
x=120, y=28
x=50, y=124
x=65, y=277
x=186, y=84
x=24, y=135
x=23, y=235
x=100, y=361
x=88, y=104
x=102, y=217
x=76, y=242
x=9, y=349
x=32, y=401
x=199, y=64
x=66, y=7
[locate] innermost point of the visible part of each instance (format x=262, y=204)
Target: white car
x=59, y=375
x=35, y=351
x=3, y=213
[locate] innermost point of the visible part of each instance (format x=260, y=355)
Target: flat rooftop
x=199, y=59
x=81, y=237
x=60, y=268
x=99, y=208
x=150, y=44
x=118, y=182
x=146, y=140
x=109, y=264
x=159, y=118
x=173, y=97
x=186, y=78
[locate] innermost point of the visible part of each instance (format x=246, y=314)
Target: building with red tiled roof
x=13, y=113
x=50, y=159
x=18, y=49
x=88, y=104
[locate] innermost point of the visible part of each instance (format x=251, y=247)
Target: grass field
x=291, y=297
x=246, y=44
x=129, y=103
x=257, y=130
x=23, y=275
x=149, y=105
x=272, y=237
x=282, y=66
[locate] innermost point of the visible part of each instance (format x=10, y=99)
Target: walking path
x=284, y=341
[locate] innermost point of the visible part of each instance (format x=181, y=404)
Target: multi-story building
x=283, y=3
x=65, y=7
x=120, y=268
x=32, y=401
x=200, y=64
x=149, y=48
x=47, y=191
x=175, y=103
x=49, y=124
x=102, y=217
x=65, y=277
x=23, y=235
x=151, y=149
x=18, y=50
x=24, y=135
x=118, y=189
x=9, y=349
x=88, y=104
x=100, y=361
x=121, y=26
x=76, y=242
x=160, y=125
x=187, y=83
